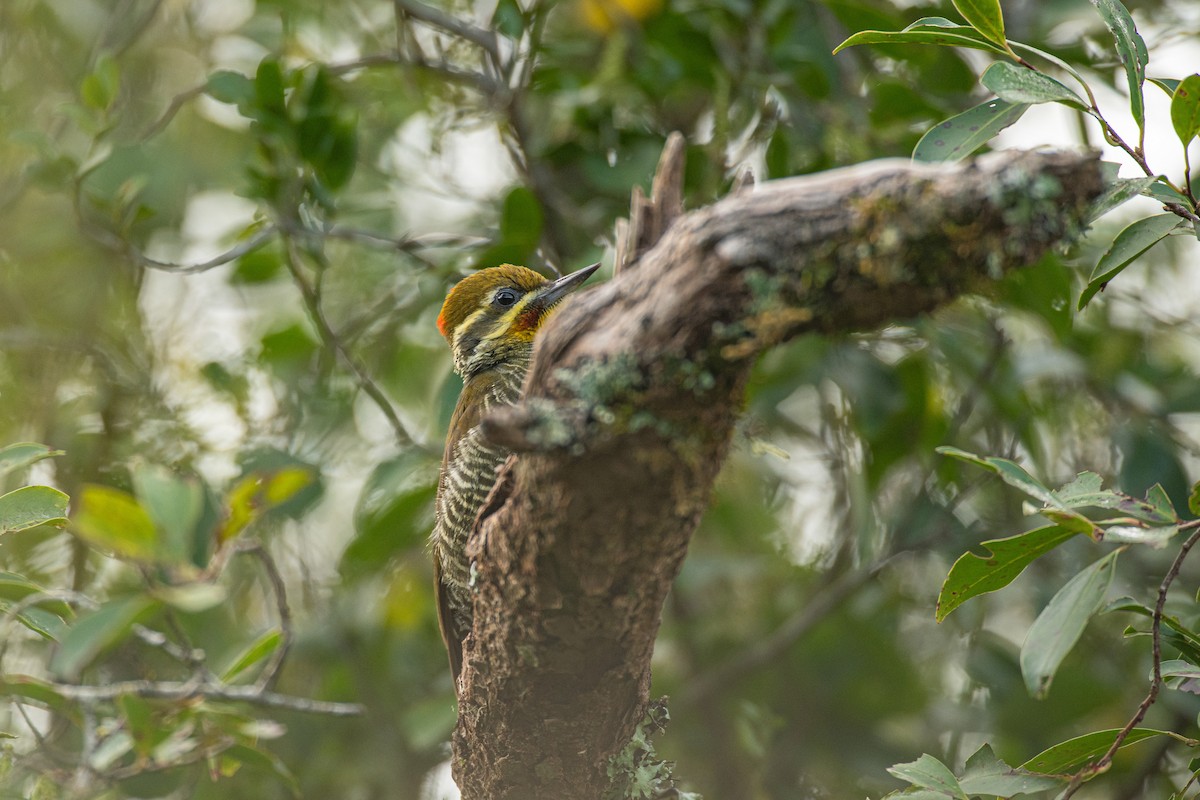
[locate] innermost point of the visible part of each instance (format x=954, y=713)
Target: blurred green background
x=372, y=160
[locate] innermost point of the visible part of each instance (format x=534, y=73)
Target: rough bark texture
x=628, y=412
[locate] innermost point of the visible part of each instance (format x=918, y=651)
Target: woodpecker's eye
x=505, y=297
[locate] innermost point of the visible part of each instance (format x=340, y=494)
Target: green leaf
x=1125, y=249
x=508, y=19
x=259, y=492
x=974, y=575
x=31, y=506
x=1010, y=472
x=1185, y=109
x=1074, y=753
x=255, y=652
x=18, y=587
x=1178, y=668
x=1168, y=85
x=22, y=454
x=95, y=632
x=394, y=512
x=1194, y=500
x=100, y=86
x=258, y=266
x=1015, y=84
x=42, y=622
x=260, y=759
x=985, y=16
x=191, y=597
x=521, y=220
x=1174, y=633
x=929, y=773
x=268, y=90
x=1132, y=534
x=44, y=617
x=987, y=774
x=113, y=521
x=929, y=30
x=32, y=688
x=1165, y=194
x=958, y=137
x=1061, y=623
x=174, y=504
x=227, y=86
x=1131, y=49
x=1085, y=491
x=1117, y=193
x=1157, y=498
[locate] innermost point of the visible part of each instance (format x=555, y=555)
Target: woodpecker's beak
x=558, y=289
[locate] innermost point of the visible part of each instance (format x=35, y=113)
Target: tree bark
x=628, y=411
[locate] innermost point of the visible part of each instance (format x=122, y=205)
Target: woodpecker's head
x=491, y=317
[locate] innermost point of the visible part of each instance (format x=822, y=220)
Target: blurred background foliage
x=226, y=227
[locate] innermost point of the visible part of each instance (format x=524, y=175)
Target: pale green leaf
x=1131, y=49
x=1016, y=84
x=1074, y=753
x=95, y=632
x=255, y=652
x=986, y=774
x=1061, y=623
x=22, y=454
x=974, y=575
x=31, y=506
x=984, y=16
x=1185, y=109
x=115, y=522
x=1126, y=248
x=963, y=134
x=929, y=773
x=929, y=30
x=1116, y=194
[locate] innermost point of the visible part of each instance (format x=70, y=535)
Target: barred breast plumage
x=490, y=319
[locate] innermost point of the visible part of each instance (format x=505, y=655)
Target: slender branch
x=768, y=650
x=186, y=690
x=176, y=105
x=270, y=673
x=192, y=656
x=404, y=244
x=1182, y=210
x=451, y=24
x=330, y=338
x=1156, y=680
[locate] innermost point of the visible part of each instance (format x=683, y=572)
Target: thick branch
x=627, y=416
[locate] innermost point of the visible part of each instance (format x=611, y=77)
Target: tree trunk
x=628, y=411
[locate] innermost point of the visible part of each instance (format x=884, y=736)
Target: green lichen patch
x=637, y=773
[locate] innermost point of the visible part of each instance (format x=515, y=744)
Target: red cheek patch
x=528, y=320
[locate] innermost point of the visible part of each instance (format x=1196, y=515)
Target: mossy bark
x=628, y=412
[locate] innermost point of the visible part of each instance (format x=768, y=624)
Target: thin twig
x=404, y=244
x=176, y=105
x=768, y=650
x=186, y=690
x=192, y=656
x=453, y=25
x=1105, y=761
x=266, y=680
x=244, y=247
x=312, y=302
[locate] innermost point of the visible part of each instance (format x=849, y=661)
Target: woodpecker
x=489, y=319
